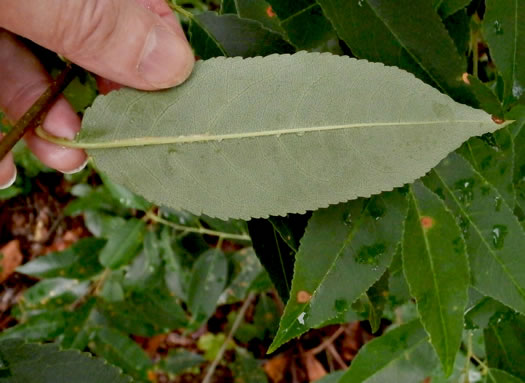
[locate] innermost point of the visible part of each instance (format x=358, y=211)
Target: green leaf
x=54, y=291
x=249, y=269
x=146, y=266
x=39, y=363
x=258, y=10
x=274, y=253
x=125, y=197
x=458, y=27
x=160, y=312
x=207, y=283
x=45, y=326
x=499, y=376
x=504, y=29
x=334, y=377
x=449, y=7
x=79, y=327
x=492, y=233
x=391, y=130
x=213, y=35
x=479, y=315
x=376, y=297
x=175, y=276
x=306, y=26
x=179, y=360
x=398, y=288
x=123, y=244
x=246, y=368
x=355, y=242
x=291, y=228
x=492, y=156
x=79, y=261
x=518, y=131
x=504, y=343
x=437, y=271
x=403, y=353
x=118, y=349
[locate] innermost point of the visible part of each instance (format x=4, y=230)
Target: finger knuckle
x=87, y=26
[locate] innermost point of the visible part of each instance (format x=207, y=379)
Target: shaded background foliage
x=169, y=296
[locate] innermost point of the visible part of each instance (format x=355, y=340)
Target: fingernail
x=77, y=170
x=166, y=59
x=10, y=182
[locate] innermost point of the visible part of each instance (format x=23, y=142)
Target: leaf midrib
x=436, y=285
x=197, y=138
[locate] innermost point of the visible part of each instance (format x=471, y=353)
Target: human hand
x=137, y=43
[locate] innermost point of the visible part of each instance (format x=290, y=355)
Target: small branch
x=198, y=230
x=328, y=341
x=235, y=326
x=32, y=117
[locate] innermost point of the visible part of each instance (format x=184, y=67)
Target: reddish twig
x=32, y=117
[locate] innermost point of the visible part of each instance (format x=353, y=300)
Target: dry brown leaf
x=314, y=368
x=11, y=258
x=276, y=367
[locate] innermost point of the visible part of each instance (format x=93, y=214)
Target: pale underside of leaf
x=276, y=135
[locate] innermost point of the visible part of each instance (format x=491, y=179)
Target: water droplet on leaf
x=499, y=232
x=498, y=28
x=369, y=255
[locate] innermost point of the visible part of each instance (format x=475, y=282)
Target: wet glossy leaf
x=437, y=271
x=258, y=10
x=213, y=35
x=504, y=29
x=123, y=244
x=37, y=363
x=118, y=349
x=420, y=44
x=314, y=141
x=79, y=261
x=355, y=242
x=306, y=26
x=492, y=233
x=504, y=343
x=403, y=353
x=207, y=283
x=492, y=156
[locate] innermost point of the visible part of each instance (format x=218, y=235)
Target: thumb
x=117, y=39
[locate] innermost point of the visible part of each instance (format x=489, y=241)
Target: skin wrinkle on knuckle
x=95, y=22
x=26, y=94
